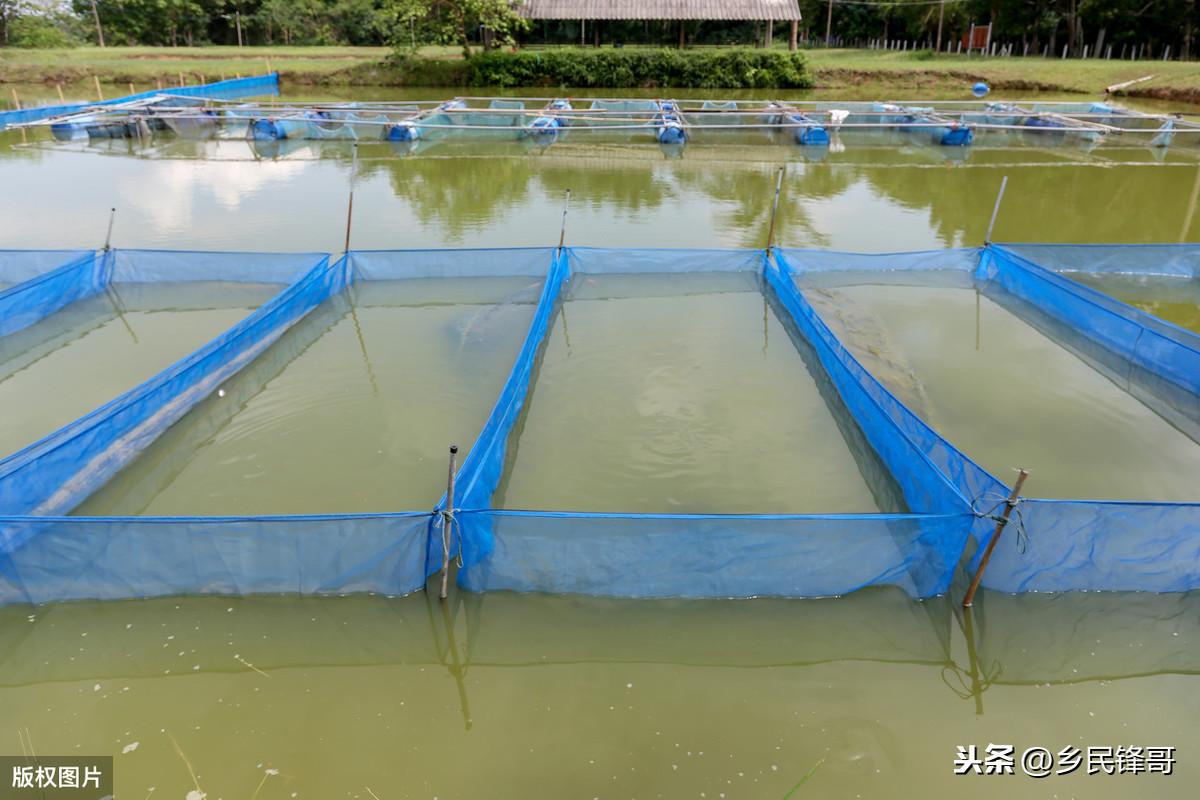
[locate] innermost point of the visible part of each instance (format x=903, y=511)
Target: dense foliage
x=1154, y=24
x=487, y=24
x=626, y=67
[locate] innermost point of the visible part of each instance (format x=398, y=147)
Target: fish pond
x=657, y=393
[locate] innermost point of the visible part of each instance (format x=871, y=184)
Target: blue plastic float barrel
x=403, y=132
x=263, y=128
x=671, y=132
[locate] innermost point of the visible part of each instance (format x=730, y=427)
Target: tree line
x=1033, y=25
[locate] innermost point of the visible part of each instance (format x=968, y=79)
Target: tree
x=446, y=21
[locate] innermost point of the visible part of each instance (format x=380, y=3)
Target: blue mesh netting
x=22, y=265
x=1154, y=360
x=40, y=288
x=684, y=555
x=934, y=475
x=1053, y=545
x=53, y=475
x=1062, y=545
x=645, y=555
x=233, y=89
x=119, y=557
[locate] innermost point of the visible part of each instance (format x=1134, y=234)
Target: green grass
x=143, y=65
x=878, y=72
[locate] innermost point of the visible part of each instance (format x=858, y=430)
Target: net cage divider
x=482, y=468
x=480, y=476
x=922, y=493
x=33, y=299
x=112, y=435
x=1166, y=352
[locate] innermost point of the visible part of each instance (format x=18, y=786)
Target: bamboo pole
x=99, y=93
x=61, y=97
x=16, y=100
x=447, y=522
x=112, y=215
x=562, y=231
x=350, y=203
x=996, y=210
x=775, y=208
x=1009, y=505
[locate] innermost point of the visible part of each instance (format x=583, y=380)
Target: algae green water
x=679, y=393
x=91, y=351
x=351, y=411
x=506, y=696
x=510, y=697
x=1176, y=300
x=1008, y=396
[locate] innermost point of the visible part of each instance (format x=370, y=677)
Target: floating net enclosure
x=942, y=501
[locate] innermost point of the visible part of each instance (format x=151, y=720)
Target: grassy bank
x=146, y=65
x=867, y=72
x=891, y=71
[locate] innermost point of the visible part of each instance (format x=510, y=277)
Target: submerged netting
x=1053, y=545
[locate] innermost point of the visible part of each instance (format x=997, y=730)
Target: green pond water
x=353, y=410
x=93, y=350
x=680, y=393
x=1176, y=300
x=531, y=696
x=978, y=374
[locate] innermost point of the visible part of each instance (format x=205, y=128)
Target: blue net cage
x=948, y=514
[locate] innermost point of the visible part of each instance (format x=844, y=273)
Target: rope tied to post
x=1011, y=503
x=995, y=514
x=451, y=525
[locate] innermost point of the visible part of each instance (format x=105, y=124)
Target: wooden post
x=181, y=81
x=16, y=100
x=996, y=210
x=1009, y=505
x=61, y=97
x=99, y=93
x=447, y=523
x=775, y=208
x=131, y=89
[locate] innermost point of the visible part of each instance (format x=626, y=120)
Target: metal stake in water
x=775, y=208
x=448, y=523
x=350, y=205
x=112, y=214
x=995, y=210
x=562, y=231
